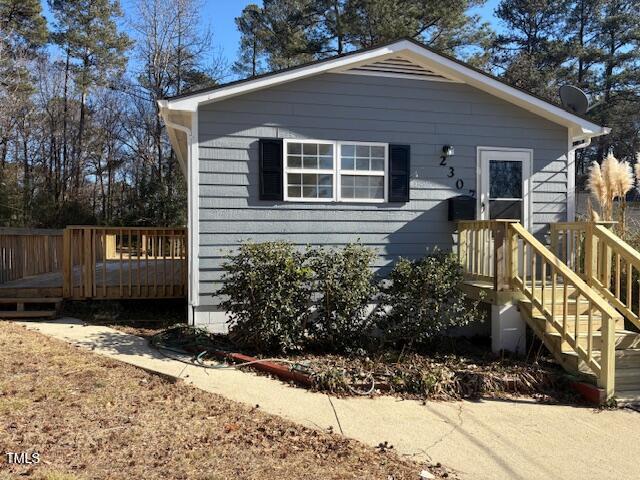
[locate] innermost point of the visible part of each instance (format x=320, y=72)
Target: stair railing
x=608, y=264
x=549, y=283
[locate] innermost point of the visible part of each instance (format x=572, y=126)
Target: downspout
x=571, y=182
x=187, y=131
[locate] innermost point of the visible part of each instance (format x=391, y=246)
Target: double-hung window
x=325, y=171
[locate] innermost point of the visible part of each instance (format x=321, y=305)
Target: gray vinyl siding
x=425, y=115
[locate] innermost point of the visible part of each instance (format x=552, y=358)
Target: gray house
x=367, y=146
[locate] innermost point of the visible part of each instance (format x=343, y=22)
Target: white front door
x=504, y=184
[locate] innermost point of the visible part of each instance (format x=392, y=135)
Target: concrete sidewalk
x=483, y=440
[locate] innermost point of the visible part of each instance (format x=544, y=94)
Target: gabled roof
x=421, y=58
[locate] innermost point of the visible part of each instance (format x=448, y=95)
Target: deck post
x=608, y=358
x=67, y=267
x=502, y=256
x=589, y=254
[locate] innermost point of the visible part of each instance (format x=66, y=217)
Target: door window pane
x=505, y=209
x=505, y=179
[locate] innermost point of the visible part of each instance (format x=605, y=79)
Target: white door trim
x=525, y=155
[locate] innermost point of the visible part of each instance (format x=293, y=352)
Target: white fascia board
x=441, y=65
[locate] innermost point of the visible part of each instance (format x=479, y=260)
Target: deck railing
x=481, y=248
x=549, y=283
x=27, y=252
x=124, y=262
x=504, y=253
x=605, y=261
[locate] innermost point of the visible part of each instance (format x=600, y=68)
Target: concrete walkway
x=483, y=440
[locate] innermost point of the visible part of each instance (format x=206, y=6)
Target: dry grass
x=93, y=418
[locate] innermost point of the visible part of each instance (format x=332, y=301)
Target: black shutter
x=399, y=168
x=270, y=169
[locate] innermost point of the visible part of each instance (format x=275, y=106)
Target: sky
x=220, y=16
x=223, y=12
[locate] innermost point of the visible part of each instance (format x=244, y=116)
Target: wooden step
x=30, y=300
x=27, y=314
x=596, y=320
x=624, y=340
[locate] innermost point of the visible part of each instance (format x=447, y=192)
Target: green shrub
x=344, y=285
x=423, y=299
x=269, y=296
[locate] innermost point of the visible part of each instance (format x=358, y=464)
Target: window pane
x=294, y=161
x=310, y=162
x=326, y=163
x=348, y=150
x=376, y=181
x=325, y=192
x=377, y=164
x=506, y=209
x=309, y=179
x=362, y=187
x=377, y=152
x=347, y=163
x=294, y=179
x=294, y=148
x=326, y=149
x=362, y=164
x=309, y=192
x=362, y=181
x=294, y=191
x=347, y=192
x=325, y=179
x=363, y=151
x=310, y=148
x=505, y=179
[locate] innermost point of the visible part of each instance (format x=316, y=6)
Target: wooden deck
x=157, y=279
x=94, y=263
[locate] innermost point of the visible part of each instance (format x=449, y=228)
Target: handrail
x=614, y=260
x=607, y=263
x=561, y=276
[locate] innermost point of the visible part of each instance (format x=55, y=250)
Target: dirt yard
x=92, y=418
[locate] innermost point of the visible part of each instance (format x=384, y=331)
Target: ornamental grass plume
x=613, y=180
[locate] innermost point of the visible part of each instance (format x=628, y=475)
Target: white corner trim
x=194, y=217
x=437, y=63
x=193, y=182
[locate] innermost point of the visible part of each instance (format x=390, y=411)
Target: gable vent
x=397, y=67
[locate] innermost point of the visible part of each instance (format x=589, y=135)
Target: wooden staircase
x=30, y=308
x=576, y=296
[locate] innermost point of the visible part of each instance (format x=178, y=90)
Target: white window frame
x=286, y=170
x=337, y=172
x=366, y=173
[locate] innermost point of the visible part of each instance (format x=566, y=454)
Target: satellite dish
x=574, y=99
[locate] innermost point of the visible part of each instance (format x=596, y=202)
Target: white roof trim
x=430, y=60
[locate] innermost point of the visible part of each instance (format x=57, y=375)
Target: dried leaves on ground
x=94, y=418
x=437, y=377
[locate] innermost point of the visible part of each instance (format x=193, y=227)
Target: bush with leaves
x=345, y=287
x=268, y=296
x=422, y=299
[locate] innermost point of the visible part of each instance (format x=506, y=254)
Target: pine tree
x=250, y=58
x=86, y=30
x=531, y=51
